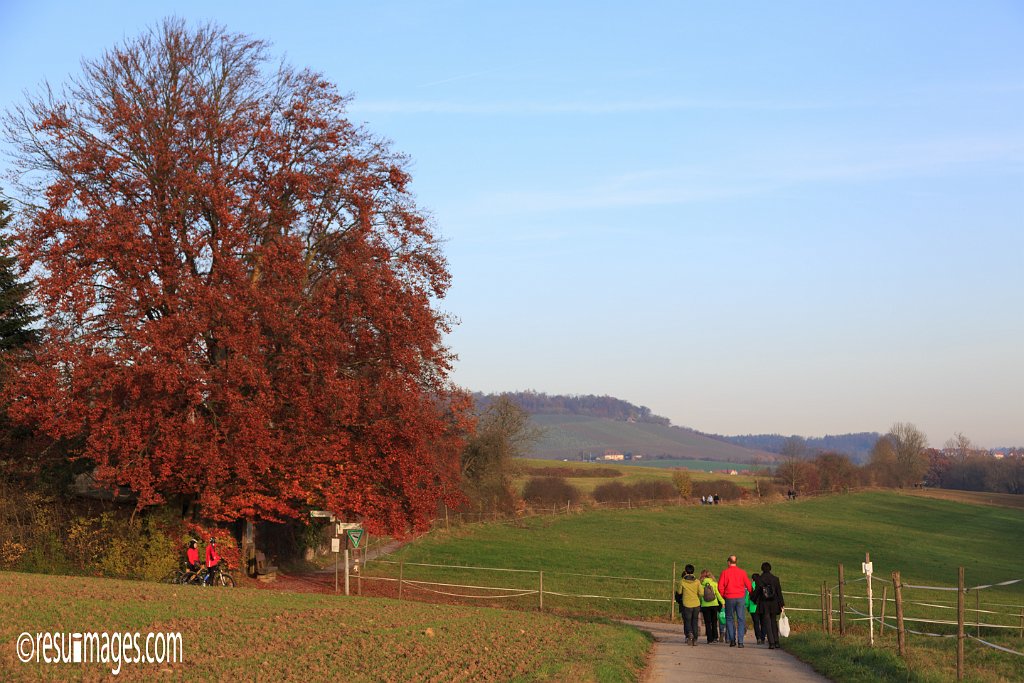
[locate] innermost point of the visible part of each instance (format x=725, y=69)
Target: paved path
x=673, y=660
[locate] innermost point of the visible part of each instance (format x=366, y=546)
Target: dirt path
x=673, y=660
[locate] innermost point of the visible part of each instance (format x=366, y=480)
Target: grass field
x=629, y=474
x=926, y=539
x=249, y=634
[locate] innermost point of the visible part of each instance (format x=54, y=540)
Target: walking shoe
x=740, y=645
x=732, y=643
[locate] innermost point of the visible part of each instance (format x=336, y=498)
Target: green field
x=698, y=465
x=627, y=473
x=250, y=634
x=925, y=539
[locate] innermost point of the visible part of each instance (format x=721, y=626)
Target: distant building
x=613, y=455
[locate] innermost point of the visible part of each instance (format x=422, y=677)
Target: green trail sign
x=354, y=536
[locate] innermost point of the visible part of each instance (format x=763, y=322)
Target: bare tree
x=909, y=444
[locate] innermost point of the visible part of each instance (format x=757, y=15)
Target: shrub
x=113, y=544
x=550, y=491
x=683, y=482
x=654, y=489
x=581, y=472
x=612, y=492
x=725, y=489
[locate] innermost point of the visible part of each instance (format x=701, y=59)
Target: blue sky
x=792, y=217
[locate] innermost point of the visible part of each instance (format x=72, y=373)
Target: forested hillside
x=538, y=403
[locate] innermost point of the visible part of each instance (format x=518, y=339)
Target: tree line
x=901, y=458
x=607, y=407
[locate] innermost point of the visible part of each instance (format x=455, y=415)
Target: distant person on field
x=734, y=585
x=689, y=587
x=711, y=601
x=770, y=604
x=212, y=560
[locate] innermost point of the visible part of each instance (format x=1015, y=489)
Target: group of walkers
x=736, y=593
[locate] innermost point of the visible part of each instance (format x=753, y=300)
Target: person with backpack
x=689, y=588
x=770, y=604
x=711, y=602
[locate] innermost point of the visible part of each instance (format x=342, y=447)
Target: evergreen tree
x=17, y=314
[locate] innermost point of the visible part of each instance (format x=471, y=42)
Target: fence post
x=882, y=625
x=824, y=627
x=901, y=636
x=842, y=601
x=541, y=591
x=401, y=571
x=960, y=625
x=828, y=601
x=672, y=594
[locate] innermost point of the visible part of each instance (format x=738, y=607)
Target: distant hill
x=570, y=436
x=537, y=403
x=575, y=425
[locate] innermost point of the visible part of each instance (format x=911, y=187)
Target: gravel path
x=674, y=660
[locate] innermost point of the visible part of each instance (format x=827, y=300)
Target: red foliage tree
x=238, y=288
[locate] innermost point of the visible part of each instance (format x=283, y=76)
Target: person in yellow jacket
x=709, y=608
x=689, y=588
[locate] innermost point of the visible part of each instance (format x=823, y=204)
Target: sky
x=751, y=217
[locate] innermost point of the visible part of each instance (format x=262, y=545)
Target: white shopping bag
x=784, y=625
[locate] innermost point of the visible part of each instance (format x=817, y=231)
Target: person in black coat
x=768, y=596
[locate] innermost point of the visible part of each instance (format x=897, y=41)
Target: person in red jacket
x=212, y=560
x=192, y=559
x=734, y=584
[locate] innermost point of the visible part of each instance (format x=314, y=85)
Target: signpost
x=868, y=569
x=353, y=532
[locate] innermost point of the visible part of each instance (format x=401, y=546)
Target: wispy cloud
x=727, y=179
x=527, y=108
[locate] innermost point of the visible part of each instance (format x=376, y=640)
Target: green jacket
x=718, y=601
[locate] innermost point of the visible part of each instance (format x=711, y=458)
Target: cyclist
x=192, y=559
x=212, y=560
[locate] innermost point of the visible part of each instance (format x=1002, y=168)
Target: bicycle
x=220, y=577
x=183, y=576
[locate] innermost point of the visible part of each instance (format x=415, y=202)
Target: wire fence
x=927, y=612
x=902, y=608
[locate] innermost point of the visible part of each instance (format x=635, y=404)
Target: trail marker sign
x=354, y=536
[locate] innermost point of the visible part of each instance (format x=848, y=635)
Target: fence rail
x=926, y=611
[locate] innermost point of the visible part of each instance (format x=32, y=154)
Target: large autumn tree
x=239, y=290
